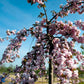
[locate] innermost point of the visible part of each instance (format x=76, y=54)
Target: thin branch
x=61, y=10
x=45, y=14
x=53, y=17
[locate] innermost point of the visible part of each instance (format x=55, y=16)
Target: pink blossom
x=8, y=32
x=24, y=38
x=75, y=73
x=68, y=73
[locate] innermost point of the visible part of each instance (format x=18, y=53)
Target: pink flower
x=8, y=32
x=56, y=40
x=39, y=1
x=1, y=40
x=13, y=31
x=31, y=80
x=65, y=81
x=60, y=72
x=24, y=38
x=75, y=73
x=34, y=1
x=61, y=60
x=68, y=73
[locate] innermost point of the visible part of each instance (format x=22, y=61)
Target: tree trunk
x=50, y=71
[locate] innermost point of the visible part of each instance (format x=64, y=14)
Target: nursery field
x=40, y=80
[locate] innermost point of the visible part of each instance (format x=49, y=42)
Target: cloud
x=13, y=15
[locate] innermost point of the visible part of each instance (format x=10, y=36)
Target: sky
x=17, y=14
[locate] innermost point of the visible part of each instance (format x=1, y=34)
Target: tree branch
x=45, y=14
x=61, y=10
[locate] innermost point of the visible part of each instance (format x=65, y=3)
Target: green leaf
x=41, y=15
x=43, y=5
x=83, y=52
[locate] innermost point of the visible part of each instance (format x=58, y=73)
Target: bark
x=50, y=71
x=51, y=63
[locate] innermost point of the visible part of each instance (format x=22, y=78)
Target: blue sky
x=17, y=14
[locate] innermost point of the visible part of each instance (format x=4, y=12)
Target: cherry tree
x=52, y=43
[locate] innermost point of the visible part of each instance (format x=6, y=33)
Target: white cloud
x=14, y=16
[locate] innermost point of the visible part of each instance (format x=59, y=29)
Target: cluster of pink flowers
x=10, y=32
x=72, y=6
x=64, y=65
x=80, y=24
x=13, y=47
x=76, y=6
x=34, y=1
x=68, y=30
x=32, y=62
